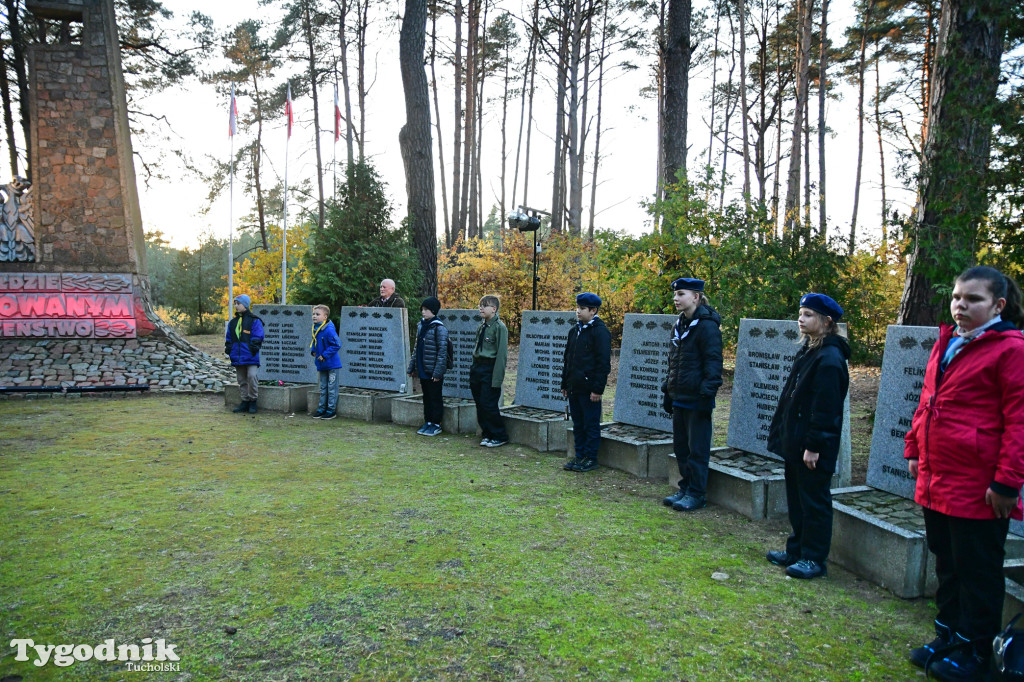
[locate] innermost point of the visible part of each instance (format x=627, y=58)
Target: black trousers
x=586, y=424
x=691, y=441
x=809, y=499
x=969, y=565
x=433, y=401
x=486, y=397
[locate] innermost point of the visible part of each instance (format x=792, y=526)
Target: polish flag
x=337, y=115
x=232, y=114
x=288, y=111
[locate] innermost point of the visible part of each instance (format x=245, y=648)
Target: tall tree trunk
x=954, y=198
x=5, y=97
x=574, y=146
x=659, y=184
x=714, y=90
x=881, y=148
x=577, y=192
x=437, y=123
x=822, y=92
x=257, y=159
x=807, y=170
x=528, y=71
x=21, y=73
x=504, y=140
x=457, y=225
x=597, y=131
x=742, y=4
x=804, y=17
x=865, y=21
x=776, y=179
x=345, y=83
x=730, y=106
x=529, y=112
x=473, y=16
x=677, y=75
x=558, y=181
x=307, y=29
x=364, y=22
x=415, y=142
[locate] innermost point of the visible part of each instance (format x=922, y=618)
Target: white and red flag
x=288, y=111
x=337, y=115
x=232, y=114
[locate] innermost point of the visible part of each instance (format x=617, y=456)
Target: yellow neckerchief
x=316, y=331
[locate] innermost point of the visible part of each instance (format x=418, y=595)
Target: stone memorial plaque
x=287, y=333
x=374, y=348
x=461, y=326
x=764, y=357
x=643, y=363
x=541, y=345
x=899, y=391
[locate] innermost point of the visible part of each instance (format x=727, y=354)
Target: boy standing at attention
x=324, y=348
x=242, y=340
x=585, y=369
x=429, y=363
x=487, y=373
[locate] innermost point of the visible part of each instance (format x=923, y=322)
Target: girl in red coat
x=966, y=450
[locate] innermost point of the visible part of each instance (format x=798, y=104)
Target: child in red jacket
x=966, y=450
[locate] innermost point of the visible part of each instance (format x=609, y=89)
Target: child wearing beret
x=805, y=432
x=586, y=365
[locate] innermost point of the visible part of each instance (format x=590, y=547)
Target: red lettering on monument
x=67, y=306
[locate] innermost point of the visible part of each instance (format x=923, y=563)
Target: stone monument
x=639, y=440
x=374, y=357
x=537, y=416
x=74, y=288
x=459, y=409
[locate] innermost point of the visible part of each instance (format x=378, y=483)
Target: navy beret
x=820, y=303
x=588, y=300
x=688, y=283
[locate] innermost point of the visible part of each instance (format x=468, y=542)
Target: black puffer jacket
x=695, y=364
x=809, y=415
x=586, y=363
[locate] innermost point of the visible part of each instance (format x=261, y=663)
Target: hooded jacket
x=244, y=349
x=695, y=361
x=968, y=431
x=809, y=415
x=326, y=345
x=586, y=362
x=430, y=361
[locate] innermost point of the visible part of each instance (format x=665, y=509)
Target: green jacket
x=493, y=345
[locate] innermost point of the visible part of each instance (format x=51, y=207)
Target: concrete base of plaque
x=880, y=537
x=273, y=398
x=542, y=430
x=364, y=404
x=459, y=415
x=636, y=450
x=1013, y=602
x=744, y=482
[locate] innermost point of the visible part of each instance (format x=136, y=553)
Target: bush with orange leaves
x=566, y=266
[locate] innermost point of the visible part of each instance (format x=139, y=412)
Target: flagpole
x=231, y=204
x=336, y=131
x=284, y=227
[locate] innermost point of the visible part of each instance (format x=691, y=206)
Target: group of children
x=965, y=447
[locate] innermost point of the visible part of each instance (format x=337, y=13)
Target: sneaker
x=329, y=415
x=485, y=442
x=422, y=431
x=805, y=569
x=784, y=559
x=674, y=497
x=319, y=414
x=242, y=407
x=943, y=638
x=690, y=503
x=963, y=665
x=587, y=464
x=572, y=464
x=495, y=443
x=432, y=430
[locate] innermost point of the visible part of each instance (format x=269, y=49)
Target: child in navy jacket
x=325, y=348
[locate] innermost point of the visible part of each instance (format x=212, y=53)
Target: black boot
x=252, y=407
x=943, y=638
x=242, y=407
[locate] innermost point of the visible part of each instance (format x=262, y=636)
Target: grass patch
x=344, y=550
